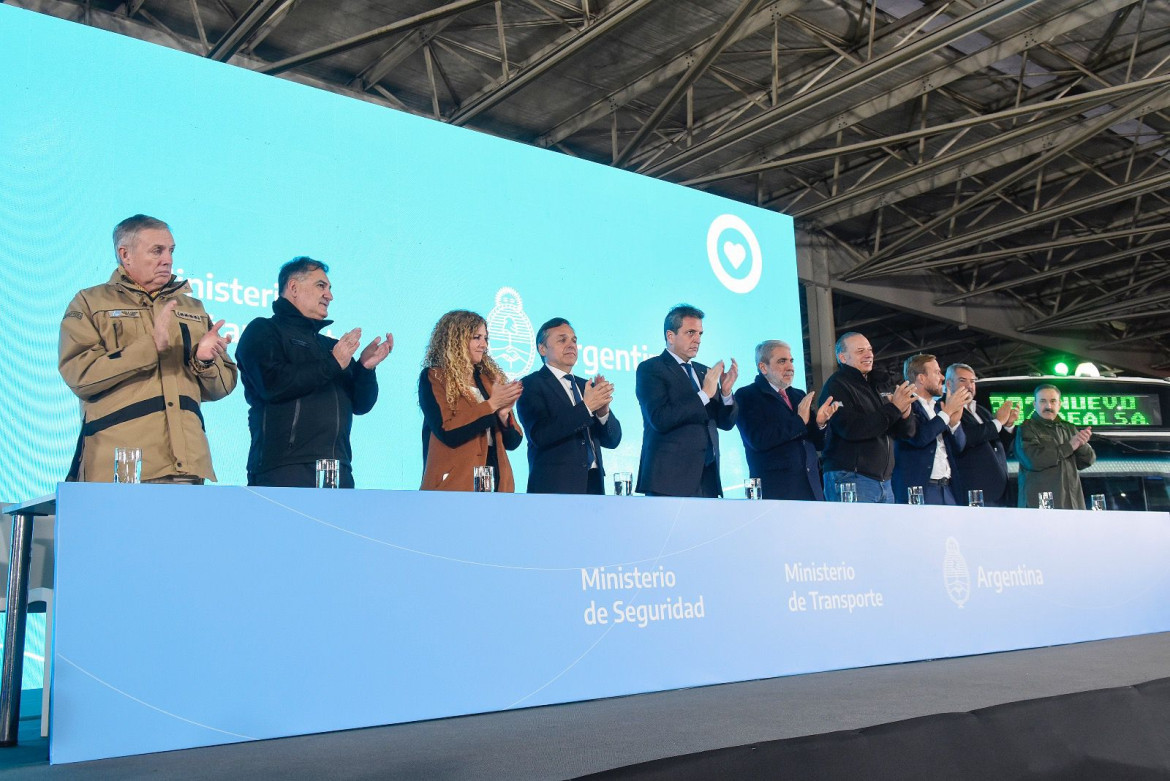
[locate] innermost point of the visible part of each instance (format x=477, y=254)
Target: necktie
x=784, y=395
x=694, y=377
x=590, y=454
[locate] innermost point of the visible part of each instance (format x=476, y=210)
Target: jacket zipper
x=292, y=437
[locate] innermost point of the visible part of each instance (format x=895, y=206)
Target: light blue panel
x=415, y=217
x=193, y=616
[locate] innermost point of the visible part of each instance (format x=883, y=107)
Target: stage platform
x=563, y=741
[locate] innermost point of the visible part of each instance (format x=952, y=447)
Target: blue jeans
x=868, y=489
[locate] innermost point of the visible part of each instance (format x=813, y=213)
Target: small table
x=19, y=561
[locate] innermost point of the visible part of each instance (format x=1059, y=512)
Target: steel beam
x=237, y=35
x=1016, y=112
x=1111, y=196
x=721, y=41
x=545, y=60
x=838, y=88
x=601, y=109
x=1136, y=107
x=1119, y=311
x=365, y=39
x=1064, y=268
x=913, y=85
x=1046, y=246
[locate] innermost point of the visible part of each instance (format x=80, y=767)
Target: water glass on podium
x=751, y=488
x=483, y=479
x=328, y=473
x=1046, y=500
x=623, y=483
x=975, y=497
x=127, y=465
x=914, y=495
x=847, y=492
x=1097, y=501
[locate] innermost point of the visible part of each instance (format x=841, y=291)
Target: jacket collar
x=174, y=284
x=762, y=383
x=283, y=310
x=853, y=375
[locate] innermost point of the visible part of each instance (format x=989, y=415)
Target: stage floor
x=568, y=740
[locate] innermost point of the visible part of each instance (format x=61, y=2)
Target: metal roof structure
x=988, y=181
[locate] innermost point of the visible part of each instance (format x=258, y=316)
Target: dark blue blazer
x=983, y=463
x=781, y=448
x=558, y=458
x=914, y=456
x=676, y=427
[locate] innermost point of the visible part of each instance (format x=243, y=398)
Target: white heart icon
x=735, y=253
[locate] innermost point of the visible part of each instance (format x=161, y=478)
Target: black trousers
x=296, y=476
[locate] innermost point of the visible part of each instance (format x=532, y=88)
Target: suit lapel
x=556, y=388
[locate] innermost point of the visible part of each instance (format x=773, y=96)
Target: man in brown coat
x=142, y=355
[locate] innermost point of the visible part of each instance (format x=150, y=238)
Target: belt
x=941, y=481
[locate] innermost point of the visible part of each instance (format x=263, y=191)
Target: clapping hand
x=376, y=351
x=503, y=396
x=826, y=410
x=1008, y=413
x=346, y=346
x=212, y=345
x=727, y=380
x=903, y=397
x=598, y=395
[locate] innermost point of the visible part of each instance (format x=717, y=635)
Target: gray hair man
x=142, y=355
x=982, y=464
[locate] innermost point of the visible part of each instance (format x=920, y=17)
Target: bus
x=1130, y=418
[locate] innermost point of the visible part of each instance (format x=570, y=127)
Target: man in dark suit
x=926, y=458
x=683, y=404
x=567, y=418
x=781, y=434
x=983, y=463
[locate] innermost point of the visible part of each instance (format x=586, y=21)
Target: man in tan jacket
x=142, y=355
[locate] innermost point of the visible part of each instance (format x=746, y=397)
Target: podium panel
x=191, y=616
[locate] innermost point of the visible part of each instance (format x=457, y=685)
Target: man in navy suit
x=927, y=458
x=683, y=405
x=983, y=463
x=567, y=418
x=781, y=434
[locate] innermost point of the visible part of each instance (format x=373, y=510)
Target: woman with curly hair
x=467, y=404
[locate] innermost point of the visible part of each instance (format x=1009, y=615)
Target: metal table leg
x=14, y=623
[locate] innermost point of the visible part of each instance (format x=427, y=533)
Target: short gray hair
x=954, y=367
x=126, y=232
x=765, y=349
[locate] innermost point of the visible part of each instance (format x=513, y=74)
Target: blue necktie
x=590, y=455
x=694, y=377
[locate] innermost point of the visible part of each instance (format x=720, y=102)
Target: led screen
x=1103, y=410
x=413, y=216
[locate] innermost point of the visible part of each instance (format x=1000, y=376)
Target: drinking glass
x=847, y=492
x=127, y=465
x=483, y=479
x=328, y=473
x=975, y=497
x=1046, y=500
x=751, y=488
x=623, y=484
x=914, y=495
x=1097, y=501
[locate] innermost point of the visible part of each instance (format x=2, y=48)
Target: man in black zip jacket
x=302, y=387
x=859, y=443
